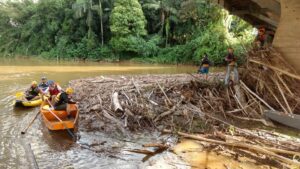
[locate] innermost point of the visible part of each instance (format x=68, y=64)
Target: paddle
x=19, y=94
x=25, y=129
x=65, y=126
x=19, y=99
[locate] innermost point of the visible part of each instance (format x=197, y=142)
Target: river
x=56, y=149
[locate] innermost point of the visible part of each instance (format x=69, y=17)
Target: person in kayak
x=33, y=92
x=44, y=86
x=54, y=90
x=204, y=67
x=64, y=98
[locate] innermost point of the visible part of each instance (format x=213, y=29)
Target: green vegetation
x=155, y=31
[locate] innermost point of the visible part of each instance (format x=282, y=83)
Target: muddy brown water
x=56, y=149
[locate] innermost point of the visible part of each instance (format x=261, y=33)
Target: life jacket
x=43, y=86
x=33, y=91
x=57, y=98
x=54, y=91
x=61, y=98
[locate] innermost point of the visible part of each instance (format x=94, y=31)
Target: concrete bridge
x=280, y=16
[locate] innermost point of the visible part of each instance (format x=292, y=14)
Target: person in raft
x=33, y=92
x=54, y=90
x=44, y=86
x=231, y=66
x=204, y=66
x=63, y=99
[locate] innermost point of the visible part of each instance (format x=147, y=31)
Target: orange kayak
x=53, y=123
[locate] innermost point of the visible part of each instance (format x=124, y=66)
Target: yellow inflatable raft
x=20, y=102
x=24, y=103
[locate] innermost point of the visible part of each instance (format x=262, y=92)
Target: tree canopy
x=158, y=31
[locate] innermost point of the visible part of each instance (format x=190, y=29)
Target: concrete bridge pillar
x=287, y=37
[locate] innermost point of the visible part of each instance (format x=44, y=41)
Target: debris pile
x=272, y=78
x=186, y=103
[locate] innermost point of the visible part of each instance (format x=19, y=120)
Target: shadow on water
x=57, y=140
x=23, y=110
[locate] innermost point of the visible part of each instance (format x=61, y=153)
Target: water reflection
x=57, y=140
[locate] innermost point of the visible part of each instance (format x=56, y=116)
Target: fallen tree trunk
x=276, y=69
x=229, y=138
x=241, y=131
x=254, y=148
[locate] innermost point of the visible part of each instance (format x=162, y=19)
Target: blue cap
x=50, y=82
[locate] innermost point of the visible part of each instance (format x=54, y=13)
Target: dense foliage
x=158, y=31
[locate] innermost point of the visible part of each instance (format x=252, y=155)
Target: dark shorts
x=30, y=97
x=204, y=70
x=61, y=107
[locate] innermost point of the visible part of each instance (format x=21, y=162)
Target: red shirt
x=54, y=91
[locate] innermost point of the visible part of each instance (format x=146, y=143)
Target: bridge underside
x=280, y=16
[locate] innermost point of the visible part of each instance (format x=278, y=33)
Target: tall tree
x=127, y=24
x=127, y=18
x=168, y=13
x=85, y=7
x=100, y=11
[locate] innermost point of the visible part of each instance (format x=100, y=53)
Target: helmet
x=69, y=90
x=50, y=82
x=34, y=83
x=43, y=78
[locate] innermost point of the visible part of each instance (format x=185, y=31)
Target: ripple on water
x=13, y=156
x=56, y=150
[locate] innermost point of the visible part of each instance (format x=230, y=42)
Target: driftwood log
x=116, y=103
x=237, y=144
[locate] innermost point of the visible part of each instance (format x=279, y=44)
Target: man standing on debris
x=232, y=66
x=204, y=67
